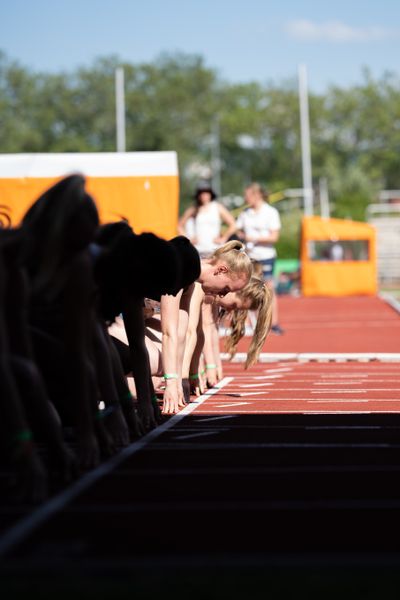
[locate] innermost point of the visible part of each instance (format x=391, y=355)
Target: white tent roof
x=94, y=164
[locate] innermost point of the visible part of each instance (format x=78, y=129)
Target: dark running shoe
x=277, y=330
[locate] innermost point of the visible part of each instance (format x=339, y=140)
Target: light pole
x=120, y=109
x=305, y=142
x=215, y=157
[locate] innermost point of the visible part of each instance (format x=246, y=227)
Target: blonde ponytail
x=260, y=297
x=233, y=254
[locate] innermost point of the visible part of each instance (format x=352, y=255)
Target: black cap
x=204, y=186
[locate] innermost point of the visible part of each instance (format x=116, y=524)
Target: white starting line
x=240, y=357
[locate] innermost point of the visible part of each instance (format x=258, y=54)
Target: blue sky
x=243, y=40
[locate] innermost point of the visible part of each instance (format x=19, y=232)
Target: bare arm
x=211, y=360
x=195, y=377
x=170, y=356
x=191, y=337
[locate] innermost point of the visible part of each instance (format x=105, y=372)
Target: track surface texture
x=288, y=467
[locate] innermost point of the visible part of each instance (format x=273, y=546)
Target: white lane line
x=254, y=385
x=272, y=399
x=365, y=381
x=288, y=380
x=324, y=391
x=340, y=391
x=28, y=524
x=346, y=376
x=328, y=370
x=340, y=412
x=356, y=391
x=280, y=370
x=232, y=404
x=269, y=377
x=339, y=383
x=337, y=401
x=308, y=411
x=252, y=394
x=351, y=412
x=196, y=435
x=240, y=394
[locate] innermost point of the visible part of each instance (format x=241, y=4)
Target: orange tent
x=143, y=187
x=338, y=257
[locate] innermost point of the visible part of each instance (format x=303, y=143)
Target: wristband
x=194, y=376
x=211, y=366
x=170, y=375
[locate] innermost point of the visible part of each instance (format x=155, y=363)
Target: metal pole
x=215, y=157
x=324, y=198
x=120, y=109
x=305, y=142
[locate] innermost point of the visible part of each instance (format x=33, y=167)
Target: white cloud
x=334, y=31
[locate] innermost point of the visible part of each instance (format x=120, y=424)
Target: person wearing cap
x=201, y=223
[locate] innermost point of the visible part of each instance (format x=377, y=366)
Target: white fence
x=386, y=219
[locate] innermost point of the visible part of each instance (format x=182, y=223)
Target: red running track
x=308, y=388
x=351, y=324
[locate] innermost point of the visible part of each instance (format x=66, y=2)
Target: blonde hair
x=258, y=189
x=257, y=268
x=233, y=254
x=260, y=297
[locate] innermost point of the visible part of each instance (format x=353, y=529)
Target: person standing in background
x=259, y=227
x=201, y=223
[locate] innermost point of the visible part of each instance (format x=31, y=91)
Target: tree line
x=173, y=103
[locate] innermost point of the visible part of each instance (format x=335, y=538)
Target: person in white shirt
x=259, y=227
x=202, y=222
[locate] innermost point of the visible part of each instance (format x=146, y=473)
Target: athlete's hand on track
x=173, y=394
x=212, y=377
x=197, y=385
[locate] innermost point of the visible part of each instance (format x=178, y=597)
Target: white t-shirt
x=258, y=224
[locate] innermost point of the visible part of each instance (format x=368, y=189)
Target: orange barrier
x=338, y=257
x=142, y=187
